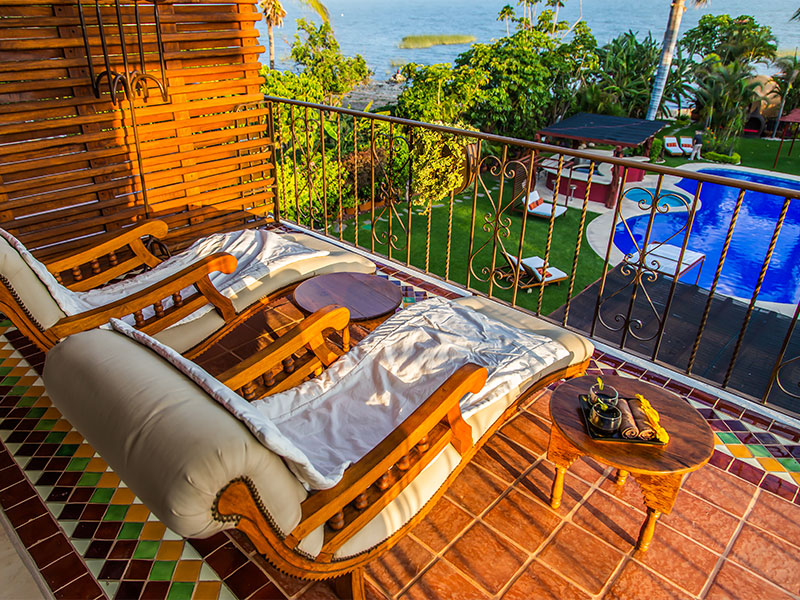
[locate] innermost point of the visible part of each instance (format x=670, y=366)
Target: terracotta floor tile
x=529, y=431
x=733, y=582
x=701, y=521
x=636, y=582
x=504, y=458
x=443, y=523
x=587, y=469
x=629, y=493
x=398, y=566
x=777, y=516
x=679, y=559
x=610, y=520
x=540, y=583
x=768, y=556
x=443, y=582
x=539, y=481
x=485, y=557
x=581, y=557
x=721, y=489
x=541, y=405
x=475, y=489
x=524, y=520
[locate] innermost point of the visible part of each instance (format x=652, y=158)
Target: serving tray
x=601, y=436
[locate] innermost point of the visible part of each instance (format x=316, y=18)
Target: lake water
x=374, y=28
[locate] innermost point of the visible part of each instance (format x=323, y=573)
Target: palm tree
x=667, y=50
x=506, y=14
x=556, y=4
x=274, y=14
x=790, y=69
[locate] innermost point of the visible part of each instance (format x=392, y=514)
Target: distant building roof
x=604, y=129
x=792, y=117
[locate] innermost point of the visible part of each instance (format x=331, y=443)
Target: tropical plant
x=555, y=4
x=506, y=14
x=677, y=8
x=790, y=68
x=319, y=54
x=739, y=39
x=274, y=13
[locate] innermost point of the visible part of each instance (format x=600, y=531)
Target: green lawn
x=562, y=252
x=758, y=153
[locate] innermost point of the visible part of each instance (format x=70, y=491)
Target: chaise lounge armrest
x=111, y=244
x=195, y=274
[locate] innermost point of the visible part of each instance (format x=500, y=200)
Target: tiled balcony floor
x=734, y=531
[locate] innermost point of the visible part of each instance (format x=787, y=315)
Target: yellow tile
x=153, y=530
x=717, y=441
x=187, y=570
x=207, y=590
x=170, y=550
x=137, y=513
x=796, y=477
x=73, y=437
x=62, y=425
x=52, y=413
x=740, y=451
x=122, y=496
x=28, y=380
x=43, y=402
x=770, y=464
x=96, y=465
x=108, y=480
x=84, y=451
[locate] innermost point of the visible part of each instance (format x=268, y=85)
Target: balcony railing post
x=527, y=192
x=478, y=162
x=581, y=225
x=324, y=177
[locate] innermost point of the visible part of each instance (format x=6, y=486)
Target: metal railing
x=370, y=180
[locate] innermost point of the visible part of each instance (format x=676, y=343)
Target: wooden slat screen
x=70, y=166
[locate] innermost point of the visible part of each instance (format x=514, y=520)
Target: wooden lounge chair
x=28, y=300
x=671, y=145
x=213, y=474
x=531, y=270
x=537, y=207
x=687, y=144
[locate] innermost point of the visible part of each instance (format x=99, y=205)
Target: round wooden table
x=365, y=296
x=659, y=470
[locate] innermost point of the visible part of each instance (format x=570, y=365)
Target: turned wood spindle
x=249, y=391
x=58, y=277
x=177, y=299
x=269, y=378
x=403, y=464
x=76, y=273
x=112, y=259
x=383, y=482
x=422, y=444
x=159, y=308
x=138, y=318
x=95, y=266
x=336, y=522
x=288, y=364
x=360, y=502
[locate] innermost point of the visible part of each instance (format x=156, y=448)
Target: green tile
x=4, y=371
x=115, y=512
x=146, y=549
x=131, y=531
x=26, y=401
x=89, y=479
x=102, y=496
x=758, y=450
x=77, y=464
x=6, y=323
x=56, y=437
x=9, y=380
x=46, y=424
x=727, y=437
x=790, y=464
x=162, y=570
x=18, y=391
x=36, y=413
x=180, y=590
x=66, y=449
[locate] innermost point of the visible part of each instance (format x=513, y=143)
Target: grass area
x=758, y=153
x=562, y=252
x=428, y=41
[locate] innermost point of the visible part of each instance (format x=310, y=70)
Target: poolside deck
x=760, y=345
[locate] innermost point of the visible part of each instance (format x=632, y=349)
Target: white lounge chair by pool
x=537, y=207
x=671, y=146
x=687, y=145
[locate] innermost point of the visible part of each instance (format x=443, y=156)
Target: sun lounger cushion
x=384, y=379
x=134, y=407
x=545, y=209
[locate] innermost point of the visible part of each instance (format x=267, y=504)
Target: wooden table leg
x=622, y=476
x=562, y=454
x=648, y=529
x=660, y=492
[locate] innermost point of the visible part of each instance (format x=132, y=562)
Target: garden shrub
x=656, y=149
x=731, y=159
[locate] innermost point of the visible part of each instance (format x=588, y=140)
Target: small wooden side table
x=659, y=470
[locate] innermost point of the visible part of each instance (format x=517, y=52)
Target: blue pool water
x=667, y=197
x=757, y=219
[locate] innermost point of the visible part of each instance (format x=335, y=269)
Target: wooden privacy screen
x=73, y=165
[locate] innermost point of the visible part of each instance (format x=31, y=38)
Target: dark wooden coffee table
x=659, y=470
x=365, y=296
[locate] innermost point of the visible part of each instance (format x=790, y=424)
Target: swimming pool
x=670, y=197
x=751, y=236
